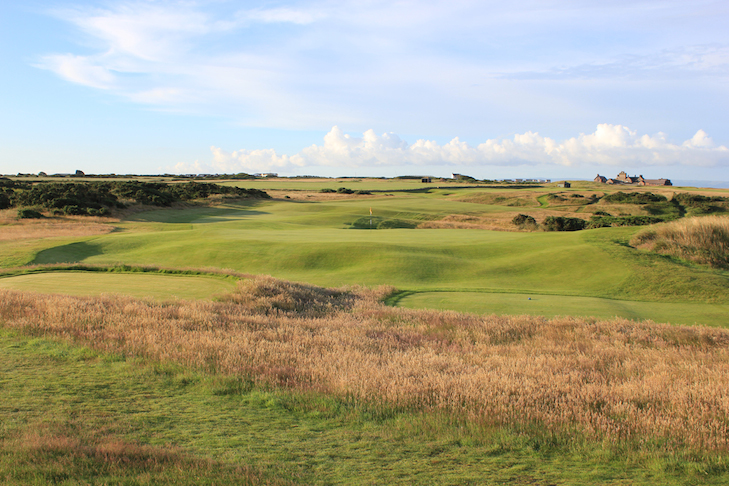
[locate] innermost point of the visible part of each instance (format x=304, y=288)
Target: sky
x=492, y=89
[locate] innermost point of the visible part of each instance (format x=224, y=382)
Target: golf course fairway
x=139, y=285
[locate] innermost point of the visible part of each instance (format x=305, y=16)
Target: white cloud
x=416, y=66
x=79, y=69
x=280, y=15
x=608, y=145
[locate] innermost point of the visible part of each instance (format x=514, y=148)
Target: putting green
x=140, y=285
x=560, y=305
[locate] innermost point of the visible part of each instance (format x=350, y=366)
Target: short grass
x=155, y=423
x=140, y=285
x=561, y=305
x=312, y=241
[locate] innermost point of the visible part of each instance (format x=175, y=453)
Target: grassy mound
x=703, y=240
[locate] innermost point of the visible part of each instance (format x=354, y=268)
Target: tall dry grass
x=700, y=239
x=612, y=380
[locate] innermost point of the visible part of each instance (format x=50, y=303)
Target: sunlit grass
x=700, y=239
x=140, y=285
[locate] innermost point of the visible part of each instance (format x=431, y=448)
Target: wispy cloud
x=608, y=145
x=691, y=61
x=311, y=64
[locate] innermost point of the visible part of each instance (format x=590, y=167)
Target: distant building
x=79, y=173
x=426, y=180
x=564, y=184
x=624, y=178
x=654, y=182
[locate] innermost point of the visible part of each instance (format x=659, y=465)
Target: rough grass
x=634, y=386
x=702, y=240
x=52, y=454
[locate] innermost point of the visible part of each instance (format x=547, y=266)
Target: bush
x=633, y=198
x=375, y=222
x=326, y=190
x=604, y=221
x=560, y=223
x=524, y=221
x=29, y=214
x=698, y=204
x=344, y=190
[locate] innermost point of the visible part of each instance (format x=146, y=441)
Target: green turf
x=313, y=242
x=98, y=398
x=140, y=285
x=560, y=305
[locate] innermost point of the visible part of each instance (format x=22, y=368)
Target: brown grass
x=56, y=453
x=619, y=381
x=700, y=239
x=35, y=229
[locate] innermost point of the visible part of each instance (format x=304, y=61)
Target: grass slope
x=159, y=287
x=560, y=305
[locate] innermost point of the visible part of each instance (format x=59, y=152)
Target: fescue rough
x=701, y=239
x=628, y=383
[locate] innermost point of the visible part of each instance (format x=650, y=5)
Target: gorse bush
x=697, y=204
x=96, y=198
x=560, y=223
x=633, y=198
x=524, y=221
x=29, y=214
x=700, y=239
x=376, y=222
x=604, y=221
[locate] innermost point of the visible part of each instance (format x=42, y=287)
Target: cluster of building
x=624, y=178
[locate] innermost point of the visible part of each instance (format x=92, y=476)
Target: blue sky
x=560, y=89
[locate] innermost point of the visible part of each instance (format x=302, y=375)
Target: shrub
x=29, y=214
x=375, y=222
x=524, y=221
x=633, y=198
x=603, y=221
x=326, y=190
x=560, y=223
x=697, y=204
x=344, y=190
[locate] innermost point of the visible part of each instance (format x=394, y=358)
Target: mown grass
x=314, y=242
x=140, y=285
x=295, y=383
x=561, y=305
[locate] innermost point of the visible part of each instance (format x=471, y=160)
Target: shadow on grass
x=71, y=253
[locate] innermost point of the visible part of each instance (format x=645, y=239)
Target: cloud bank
x=609, y=145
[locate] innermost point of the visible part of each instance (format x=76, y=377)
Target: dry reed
x=615, y=380
x=700, y=239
